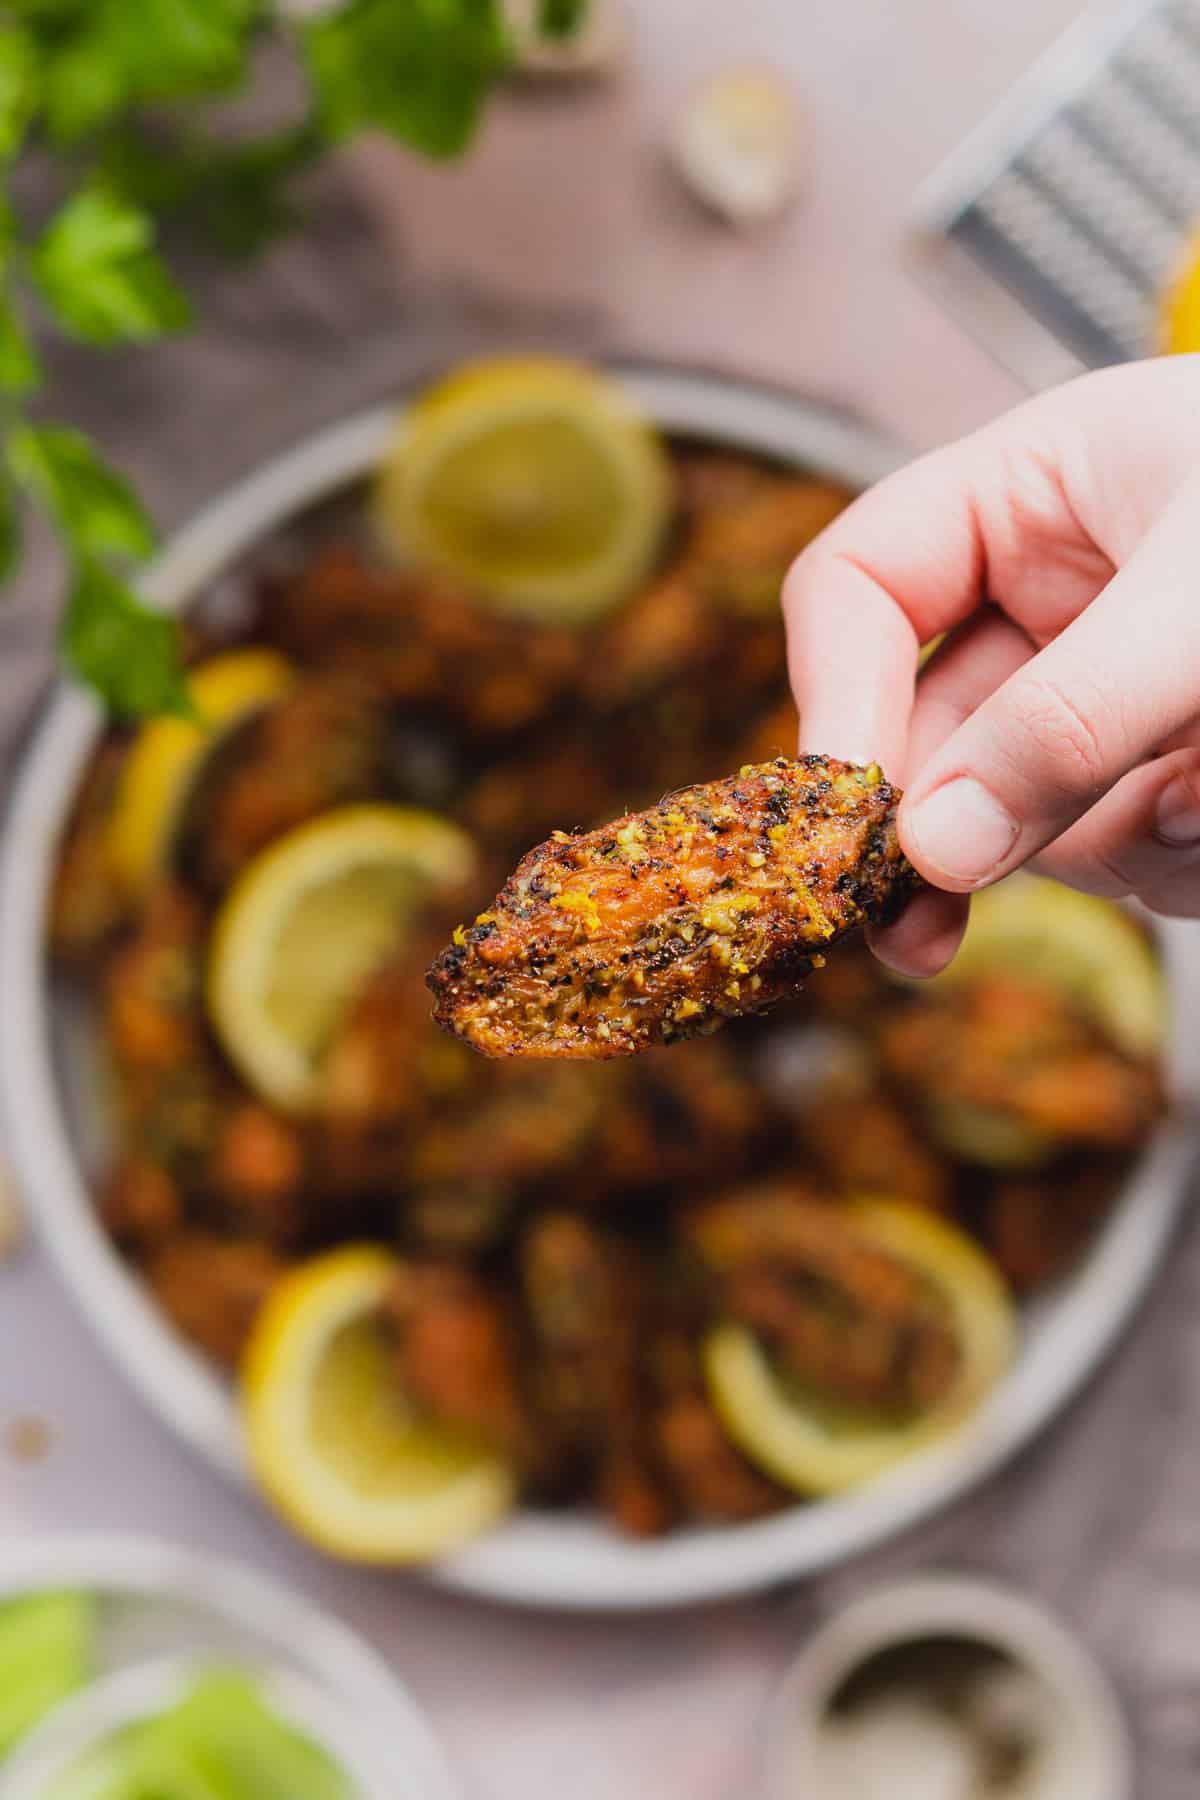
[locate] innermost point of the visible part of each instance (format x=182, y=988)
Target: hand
x=1060, y=550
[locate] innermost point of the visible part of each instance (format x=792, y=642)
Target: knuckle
x=1070, y=750
x=1090, y=868
x=1112, y=876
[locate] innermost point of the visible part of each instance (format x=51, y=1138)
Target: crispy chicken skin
x=839, y=1314
x=88, y=901
x=325, y=744
x=423, y=642
x=1037, y=1225
x=212, y=1287
x=456, y=1354
x=865, y=1143
x=715, y=903
x=1025, y=1054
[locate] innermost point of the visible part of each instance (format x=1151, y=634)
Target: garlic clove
x=597, y=44
x=736, y=145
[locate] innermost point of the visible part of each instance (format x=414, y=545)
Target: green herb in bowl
x=222, y=1741
x=46, y=1653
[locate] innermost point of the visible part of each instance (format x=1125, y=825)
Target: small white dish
x=165, y=1613
x=51, y=1110
x=1093, y=1757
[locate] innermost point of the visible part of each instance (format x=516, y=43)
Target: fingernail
x=962, y=830
x=1177, y=820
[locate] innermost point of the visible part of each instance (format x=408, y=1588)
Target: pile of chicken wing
x=567, y=1230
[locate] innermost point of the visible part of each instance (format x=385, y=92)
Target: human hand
x=1060, y=721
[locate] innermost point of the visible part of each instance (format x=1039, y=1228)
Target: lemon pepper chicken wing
x=1003, y=1066
x=424, y=642
x=715, y=903
x=841, y=1315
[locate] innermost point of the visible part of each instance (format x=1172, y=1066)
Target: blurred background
x=844, y=246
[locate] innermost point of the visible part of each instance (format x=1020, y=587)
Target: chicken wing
x=1008, y=1072
x=715, y=903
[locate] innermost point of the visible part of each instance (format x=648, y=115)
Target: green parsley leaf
x=177, y=47
x=83, y=87
x=421, y=71
x=18, y=86
x=10, y=531
x=561, y=18
x=94, y=507
x=127, y=653
x=105, y=57
x=20, y=371
x=96, y=268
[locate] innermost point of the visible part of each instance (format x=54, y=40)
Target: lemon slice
x=534, y=481
x=332, y=1444
x=985, y=1135
x=817, y=1450
x=304, y=926
x=1180, y=328
x=168, y=755
x=1090, y=949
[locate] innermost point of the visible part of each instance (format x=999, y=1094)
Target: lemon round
x=304, y=926
x=1180, y=329
x=534, y=481
x=168, y=755
x=816, y=1449
x=331, y=1442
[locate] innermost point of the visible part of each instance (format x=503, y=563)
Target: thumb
x=1051, y=740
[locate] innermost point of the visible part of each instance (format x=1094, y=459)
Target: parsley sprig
x=115, y=91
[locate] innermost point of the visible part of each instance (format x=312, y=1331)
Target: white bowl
x=1096, y=1758
x=536, y=1559
x=164, y=1613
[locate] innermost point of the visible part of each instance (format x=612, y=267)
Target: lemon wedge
x=1180, y=329
x=304, y=926
x=533, y=480
x=168, y=754
x=817, y=1449
x=331, y=1442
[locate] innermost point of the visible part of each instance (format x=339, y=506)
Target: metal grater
x=1054, y=230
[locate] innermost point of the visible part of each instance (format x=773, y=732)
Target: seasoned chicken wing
x=423, y=641
x=716, y=902
x=1001, y=1055
x=324, y=744
x=841, y=1315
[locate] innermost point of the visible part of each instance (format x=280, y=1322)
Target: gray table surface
x=403, y=266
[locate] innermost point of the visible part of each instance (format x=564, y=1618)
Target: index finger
x=902, y=564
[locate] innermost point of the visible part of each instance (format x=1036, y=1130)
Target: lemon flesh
x=304, y=927
x=331, y=1441
x=169, y=754
x=818, y=1449
x=1181, y=308
x=534, y=481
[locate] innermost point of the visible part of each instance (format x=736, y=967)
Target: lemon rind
x=299, y=1320
x=771, y=1427
x=165, y=758
x=247, y=928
